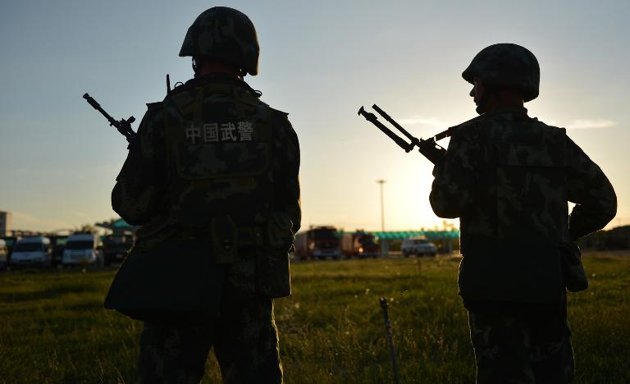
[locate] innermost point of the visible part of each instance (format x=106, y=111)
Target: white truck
x=4, y=255
x=82, y=249
x=32, y=251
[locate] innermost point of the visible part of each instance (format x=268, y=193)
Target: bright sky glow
x=320, y=61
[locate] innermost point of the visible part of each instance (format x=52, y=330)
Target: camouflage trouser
x=530, y=343
x=244, y=339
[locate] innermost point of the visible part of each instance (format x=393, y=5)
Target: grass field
x=53, y=328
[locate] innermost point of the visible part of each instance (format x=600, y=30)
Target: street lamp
x=384, y=245
x=381, y=182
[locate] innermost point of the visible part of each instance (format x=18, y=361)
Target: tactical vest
x=531, y=191
x=219, y=140
x=511, y=238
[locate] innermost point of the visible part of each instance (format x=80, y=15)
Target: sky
x=320, y=61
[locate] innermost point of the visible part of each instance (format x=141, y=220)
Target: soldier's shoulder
x=467, y=125
x=154, y=112
x=552, y=135
x=474, y=121
x=278, y=114
x=155, y=107
x=283, y=130
x=544, y=125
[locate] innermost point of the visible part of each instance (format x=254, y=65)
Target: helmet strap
x=483, y=102
x=482, y=105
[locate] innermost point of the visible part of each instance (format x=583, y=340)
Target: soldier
x=508, y=177
x=212, y=179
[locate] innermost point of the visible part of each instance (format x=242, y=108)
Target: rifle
x=429, y=148
x=123, y=126
x=390, y=340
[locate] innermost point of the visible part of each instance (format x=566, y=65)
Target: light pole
x=384, y=245
x=381, y=182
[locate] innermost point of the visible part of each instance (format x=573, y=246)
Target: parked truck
x=4, y=255
x=359, y=244
x=321, y=242
x=81, y=249
x=32, y=251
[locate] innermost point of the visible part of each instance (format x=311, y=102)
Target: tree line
x=614, y=239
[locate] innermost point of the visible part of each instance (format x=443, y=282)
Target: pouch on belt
x=173, y=282
x=272, y=260
x=574, y=275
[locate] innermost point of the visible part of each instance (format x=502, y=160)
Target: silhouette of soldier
x=508, y=177
x=212, y=179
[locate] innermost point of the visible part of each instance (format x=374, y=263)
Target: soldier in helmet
x=508, y=177
x=212, y=181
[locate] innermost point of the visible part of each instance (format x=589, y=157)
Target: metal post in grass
x=390, y=340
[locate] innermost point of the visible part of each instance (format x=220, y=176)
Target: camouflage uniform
x=212, y=179
x=508, y=178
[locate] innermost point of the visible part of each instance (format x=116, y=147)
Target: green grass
x=53, y=328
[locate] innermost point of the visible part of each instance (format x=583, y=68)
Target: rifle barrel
x=123, y=126
x=91, y=101
x=428, y=148
x=395, y=124
x=97, y=106
x=397, y=139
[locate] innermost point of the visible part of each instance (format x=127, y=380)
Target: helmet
x=226, y=34
x=506, y=65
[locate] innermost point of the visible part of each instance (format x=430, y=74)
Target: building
x=6, y=223
x=118, y=227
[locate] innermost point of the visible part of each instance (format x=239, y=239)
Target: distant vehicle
x=32, y=251
x=115, y=248
x=10, y=242
x=418, y=246
x=317, y=243
x=359, y=244
x=4, y=255
x=82, y=249
x=58, y=243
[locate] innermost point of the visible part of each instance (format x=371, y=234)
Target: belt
x=246, y=236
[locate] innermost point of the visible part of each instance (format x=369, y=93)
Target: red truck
x=359, y=244
x=321, y=242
